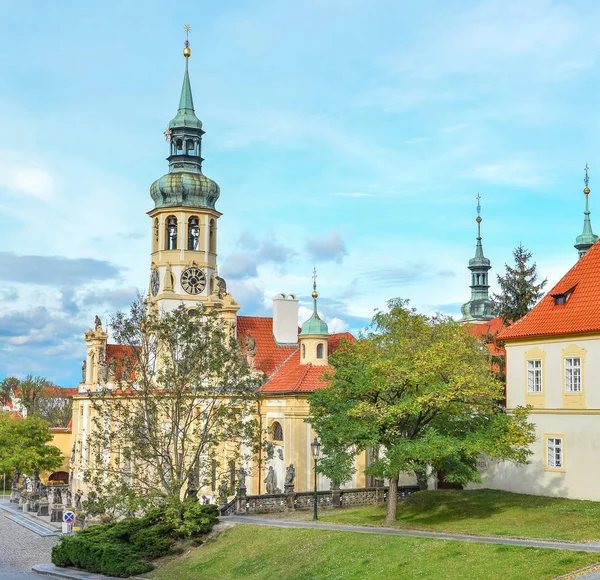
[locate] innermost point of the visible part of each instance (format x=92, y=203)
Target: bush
x=125, y=548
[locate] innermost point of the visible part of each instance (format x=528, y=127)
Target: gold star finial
x=187, y=51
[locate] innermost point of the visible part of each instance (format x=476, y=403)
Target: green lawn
x=485, y=511
x=256, y=553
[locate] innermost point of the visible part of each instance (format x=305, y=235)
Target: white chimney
x=285, y=319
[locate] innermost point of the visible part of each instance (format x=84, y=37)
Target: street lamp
x=315, y=447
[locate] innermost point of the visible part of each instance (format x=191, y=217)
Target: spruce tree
x=518, y=289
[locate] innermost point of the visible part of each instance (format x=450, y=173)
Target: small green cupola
x=587, y=238
x=479, y=308
x=314, y=336
x=314, y=325
x=184, y=184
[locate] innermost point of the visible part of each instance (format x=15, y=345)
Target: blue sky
x=351, y=135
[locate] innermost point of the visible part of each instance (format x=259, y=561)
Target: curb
x=73, y=573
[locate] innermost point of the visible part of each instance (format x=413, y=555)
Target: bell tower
x=587, y=238
x=184, y=219
x=479, y=308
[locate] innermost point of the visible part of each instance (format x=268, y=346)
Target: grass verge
x=261, y=553
x=486, y=512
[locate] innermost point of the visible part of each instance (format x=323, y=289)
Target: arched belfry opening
x=171, y=233
x=193, y=233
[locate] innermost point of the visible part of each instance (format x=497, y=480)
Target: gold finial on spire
x=187, y=51
x=315, y=294
x=478, y=198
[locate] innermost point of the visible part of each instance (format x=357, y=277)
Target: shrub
x=125, y=548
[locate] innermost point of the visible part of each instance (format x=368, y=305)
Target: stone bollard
x=56, y=515
x=290, y=498
x=43, y=508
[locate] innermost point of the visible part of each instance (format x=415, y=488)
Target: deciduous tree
x=420, y=391
x=185, y=400
x=24, y=445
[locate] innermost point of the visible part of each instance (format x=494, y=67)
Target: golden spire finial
x=315, y=294
x=586, y=179
x=187, y=51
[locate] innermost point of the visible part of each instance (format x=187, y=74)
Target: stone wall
x=280, y=502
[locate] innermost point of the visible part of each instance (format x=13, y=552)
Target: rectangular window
x=554, y=446
x=573, y=374
x=534, y=376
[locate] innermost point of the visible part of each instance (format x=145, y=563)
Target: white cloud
x=509, y=172
x=26, y=179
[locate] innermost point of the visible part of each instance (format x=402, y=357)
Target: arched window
x=193, y=233
x=277, y=431
x=171, y=232
x=320, y=350
x=212, y=241
x=190, y=147
x=303, y=351
x=179, y=146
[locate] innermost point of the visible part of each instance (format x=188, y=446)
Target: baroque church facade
x=184, y=270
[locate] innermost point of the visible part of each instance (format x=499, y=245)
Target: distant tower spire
x=587, y=238
x=479, y=308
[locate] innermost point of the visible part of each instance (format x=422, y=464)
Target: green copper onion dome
x=185, y=184
x=314, y=325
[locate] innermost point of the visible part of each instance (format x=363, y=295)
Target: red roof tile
x=579, y=315
x=296, y=377
x=492, y=327
x=269, y=355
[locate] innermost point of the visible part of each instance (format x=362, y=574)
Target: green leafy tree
x=31, y=390
x=419, y=391
x=185, y=400
x=24, y=445
x=519, y=292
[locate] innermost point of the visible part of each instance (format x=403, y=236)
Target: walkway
x=593, y=547
x=20, y=549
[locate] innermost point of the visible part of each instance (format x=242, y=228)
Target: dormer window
x=562, y=299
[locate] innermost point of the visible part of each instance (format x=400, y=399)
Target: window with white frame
x=573, y=374
x=534, y=376
x=554, y=451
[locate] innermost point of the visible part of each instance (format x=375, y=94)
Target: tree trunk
x=421, y=479
x=392, y=502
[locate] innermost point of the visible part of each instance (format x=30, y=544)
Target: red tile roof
x=269, y=355
x=281, y=363
x=296, y=377
x=579, y=315
x=492, y=327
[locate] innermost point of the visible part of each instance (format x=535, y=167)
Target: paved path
x=20, y=549
x=593, y=547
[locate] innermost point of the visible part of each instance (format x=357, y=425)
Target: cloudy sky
x=352, y=135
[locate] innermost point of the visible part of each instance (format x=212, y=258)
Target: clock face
x=154, y=282
x=193, y=280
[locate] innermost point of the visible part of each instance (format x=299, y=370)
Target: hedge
x=126, y=548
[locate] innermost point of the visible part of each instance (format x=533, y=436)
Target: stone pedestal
x=336, y=496
x=290, y=497
x=22, y=501
x=43, y=508
x=15, y=496
x=240, y=507
x=56, y=515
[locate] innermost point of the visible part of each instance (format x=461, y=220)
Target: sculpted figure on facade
x=97, y=323
x=271, y=481
x=250, y=348
x=290, y=474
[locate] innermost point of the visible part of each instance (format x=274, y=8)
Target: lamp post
x=315, y=447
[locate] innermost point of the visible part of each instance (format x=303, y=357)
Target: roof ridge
x=282, y=364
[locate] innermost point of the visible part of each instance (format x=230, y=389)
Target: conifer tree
x=519, y=292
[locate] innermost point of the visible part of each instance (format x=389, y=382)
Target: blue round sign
x=69, y=517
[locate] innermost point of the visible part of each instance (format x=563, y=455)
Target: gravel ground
x=20, y=549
